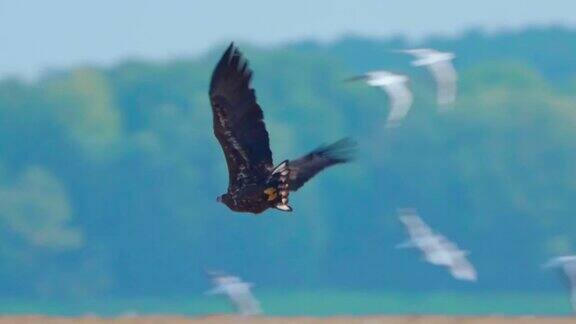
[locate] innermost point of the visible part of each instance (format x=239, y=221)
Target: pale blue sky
x=36, y=34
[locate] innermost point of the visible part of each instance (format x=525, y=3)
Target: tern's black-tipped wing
x=238, y=121
x=306, y=167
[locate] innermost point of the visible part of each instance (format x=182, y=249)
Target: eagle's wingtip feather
x=342, y=151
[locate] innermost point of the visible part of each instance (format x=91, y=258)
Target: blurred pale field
x=317, y=304
x=305, y=320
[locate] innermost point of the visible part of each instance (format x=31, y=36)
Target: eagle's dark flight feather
x=306, y=167
x=238, y=121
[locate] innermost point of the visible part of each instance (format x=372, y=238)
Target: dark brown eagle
x=254, y=183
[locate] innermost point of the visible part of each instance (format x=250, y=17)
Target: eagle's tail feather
x=279, y=180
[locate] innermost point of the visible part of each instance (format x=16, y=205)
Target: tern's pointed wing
x=559, y=261
x=459, y=266
x=415, y=226
x=396, y=87
x=421, y=53
x=569, y=269
x=422, y=237
x=400, y=101
x=243, y=299
x=435, y=251
x=445, y=76
x=215, y=291
x=462, y=269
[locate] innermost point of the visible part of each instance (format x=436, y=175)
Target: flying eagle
x=254, y=184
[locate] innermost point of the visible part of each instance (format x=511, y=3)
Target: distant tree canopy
x=108, y=176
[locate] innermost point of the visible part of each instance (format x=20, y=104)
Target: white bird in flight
x=396, y=87
x=238, y=292
x=437, y=249
x=567, y=264
x=440, y=66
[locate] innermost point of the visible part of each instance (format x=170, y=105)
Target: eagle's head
x=225, y=199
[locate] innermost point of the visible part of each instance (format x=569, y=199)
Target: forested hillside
x=109, y=175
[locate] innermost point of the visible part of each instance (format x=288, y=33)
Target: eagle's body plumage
x=254, y=184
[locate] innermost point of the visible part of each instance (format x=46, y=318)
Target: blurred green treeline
x=109, y=176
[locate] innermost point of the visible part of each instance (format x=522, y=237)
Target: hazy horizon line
x=42, y=72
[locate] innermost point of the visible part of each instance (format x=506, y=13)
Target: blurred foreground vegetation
x=109, y=176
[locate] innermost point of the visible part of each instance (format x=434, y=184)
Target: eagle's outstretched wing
x=238, y=121
x=306, y=167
